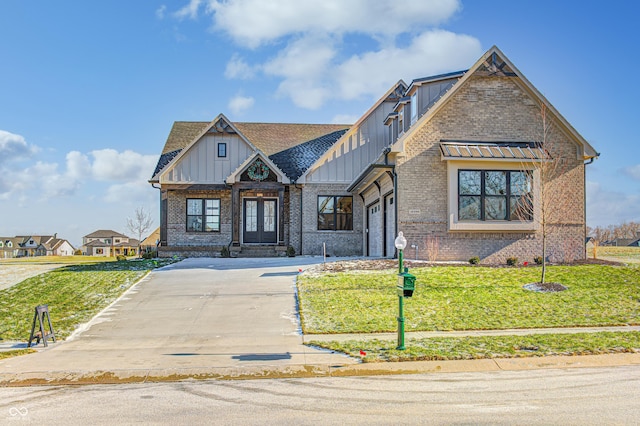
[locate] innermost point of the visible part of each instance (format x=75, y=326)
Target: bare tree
x=606, y=234
x=544, y=201
x=139, y=224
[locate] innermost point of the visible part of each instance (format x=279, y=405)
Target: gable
x=495, y=64
x=200, y=163
x=268, y=138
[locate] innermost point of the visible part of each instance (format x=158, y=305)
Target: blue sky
x=89, y=89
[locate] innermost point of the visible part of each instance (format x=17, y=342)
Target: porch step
x=260, y=251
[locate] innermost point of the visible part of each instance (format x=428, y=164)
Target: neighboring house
x=432, y=159
x=34, y=245
x=9, y=247
x=627, y=242
x=109, y=244
x=151, y=242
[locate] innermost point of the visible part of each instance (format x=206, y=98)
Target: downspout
x=386, y=156
x=295, y=185
x=395, y=208
x=153, y=185
x=584, y=179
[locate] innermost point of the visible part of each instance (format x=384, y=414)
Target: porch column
x=236, y=209
x=281, y=216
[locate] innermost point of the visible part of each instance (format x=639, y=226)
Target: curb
x=56, y=378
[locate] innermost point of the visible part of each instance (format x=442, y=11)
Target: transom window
x=495, y=195
x=203, y=215
x=335, y=213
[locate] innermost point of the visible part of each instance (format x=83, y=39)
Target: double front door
x=260, y=220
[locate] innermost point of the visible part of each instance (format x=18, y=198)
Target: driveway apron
x=197, y=313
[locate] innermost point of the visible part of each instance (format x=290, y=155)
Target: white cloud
x=430, y=53
x=240, y=104
x=344, y=119
x=189, y=11
x=43, y=180
x=14, y=147
x=160, y=11
x=111, y=165
x=305, y=66
x=632, y=171
x=133, y=193
x=238, y=68
x=252, y=23
x=605, y=207
x=315, y=59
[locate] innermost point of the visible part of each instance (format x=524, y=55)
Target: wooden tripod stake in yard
x=40, y=312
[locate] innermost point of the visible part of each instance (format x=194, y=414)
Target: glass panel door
x=260, y=221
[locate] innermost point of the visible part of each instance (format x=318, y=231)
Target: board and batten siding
x=353, y=153
x=202, y=164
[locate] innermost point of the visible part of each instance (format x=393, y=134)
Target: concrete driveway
x=196, y=315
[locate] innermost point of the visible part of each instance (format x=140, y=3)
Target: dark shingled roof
x=295, y=161
x=164, y=160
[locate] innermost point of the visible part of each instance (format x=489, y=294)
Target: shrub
x=150, y=255
x=121, y=257
x=512, y=261
x=538, y=260
x=78, y=252
x=291, y=252
x=474, y=260
x=224, y=252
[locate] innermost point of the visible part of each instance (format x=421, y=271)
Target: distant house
x=636, y=241
x=590, y=245
x=627, y=242
x=9, y=247
x=108, y=243
x=34, y=245
x=151, y=242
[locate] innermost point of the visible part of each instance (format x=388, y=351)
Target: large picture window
x=495, y=195
x=335, y=213
x=203, y=215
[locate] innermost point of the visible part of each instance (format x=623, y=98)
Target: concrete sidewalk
x=227, y=319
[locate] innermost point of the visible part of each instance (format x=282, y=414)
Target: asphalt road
x=569, y=397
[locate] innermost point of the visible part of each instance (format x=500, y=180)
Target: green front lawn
x=470, y=298
x=480, y=347
x=74, y=295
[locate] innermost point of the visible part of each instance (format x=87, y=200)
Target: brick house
x=438, y=159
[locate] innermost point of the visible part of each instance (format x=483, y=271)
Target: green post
x=400, y=346
x=400, y=243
